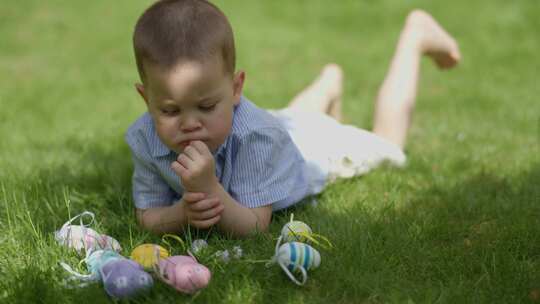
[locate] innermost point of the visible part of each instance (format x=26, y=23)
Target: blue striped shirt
x=258, y=164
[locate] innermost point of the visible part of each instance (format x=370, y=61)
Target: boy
x=204, y=155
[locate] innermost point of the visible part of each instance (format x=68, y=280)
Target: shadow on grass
x=94, y=176
x=476, y=239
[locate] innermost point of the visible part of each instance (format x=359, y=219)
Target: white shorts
x=334, y=150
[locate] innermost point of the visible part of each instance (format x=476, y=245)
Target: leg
x=397, y=95
x=324, y=94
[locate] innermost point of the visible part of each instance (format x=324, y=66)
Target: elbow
x=263, y=218
x=263, y=225
x=145, y=222
x=140, y=218
x=245, y=230
x=247, y=233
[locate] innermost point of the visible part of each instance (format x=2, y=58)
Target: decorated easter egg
x=295, y=231
x=295, y=255
x=146, y=255
x=184, y=273
x=82, y=238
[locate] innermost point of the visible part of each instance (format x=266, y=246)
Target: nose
x=190, y=124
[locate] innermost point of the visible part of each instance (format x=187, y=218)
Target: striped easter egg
x=294, y=255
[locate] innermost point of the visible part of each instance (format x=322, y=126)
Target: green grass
x=461, y=223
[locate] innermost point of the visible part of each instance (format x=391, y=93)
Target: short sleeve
x=148, y=187
x=267, y=169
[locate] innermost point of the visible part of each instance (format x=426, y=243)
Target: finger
x=201, y=147
x=193, y=197
x=204, y=156
x=204, y=204
x=204, y=224
x=206, y=215
x=191, y=153
x=178, y=168
x=185, y=161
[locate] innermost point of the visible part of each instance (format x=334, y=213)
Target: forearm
x=196, y=168
x=238, y=220
x=160, y=220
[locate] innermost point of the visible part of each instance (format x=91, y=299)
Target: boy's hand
x=196, y=168
x=202, y=211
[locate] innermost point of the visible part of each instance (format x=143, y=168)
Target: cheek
x=218, y=127
x=166, y=128
x=220, y=124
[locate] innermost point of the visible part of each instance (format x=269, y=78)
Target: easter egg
x=295, y=231
x=294, y=255
x=146, y=255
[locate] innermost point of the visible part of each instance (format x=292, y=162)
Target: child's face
x=191, y=101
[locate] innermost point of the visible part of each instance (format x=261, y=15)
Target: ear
x=140, y=88
x=238, y=86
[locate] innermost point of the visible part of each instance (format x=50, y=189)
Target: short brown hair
x=171, y=31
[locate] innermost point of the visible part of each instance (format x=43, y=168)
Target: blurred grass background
x=459, y=224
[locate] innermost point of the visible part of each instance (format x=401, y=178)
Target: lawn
x=459, y=224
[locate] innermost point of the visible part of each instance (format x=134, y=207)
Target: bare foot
x=324, y=93
x=330, y=81
x=435, y=42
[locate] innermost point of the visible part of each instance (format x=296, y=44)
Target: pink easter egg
x=184, y=273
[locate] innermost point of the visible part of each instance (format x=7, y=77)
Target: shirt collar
x=221, y=150
x=158, y=148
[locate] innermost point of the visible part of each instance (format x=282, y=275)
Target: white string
x=160, y=271
x=275, y=257
x=76, y=275
x=282, y=265
x=68, y=231
x=84, y=277
x=92, y=216
x=83, y=227
x=291, y=276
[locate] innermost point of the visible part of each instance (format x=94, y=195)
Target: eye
x=169, y=112
x=207, y=108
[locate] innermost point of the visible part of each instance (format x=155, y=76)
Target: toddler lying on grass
x=204, y=155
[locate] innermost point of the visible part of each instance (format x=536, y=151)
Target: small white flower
x=198, y=245
x=237, y=252
x=223, y=255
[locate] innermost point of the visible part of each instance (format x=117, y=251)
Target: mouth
x=183, y=144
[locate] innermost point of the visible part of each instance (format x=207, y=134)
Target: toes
x=456, y=54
